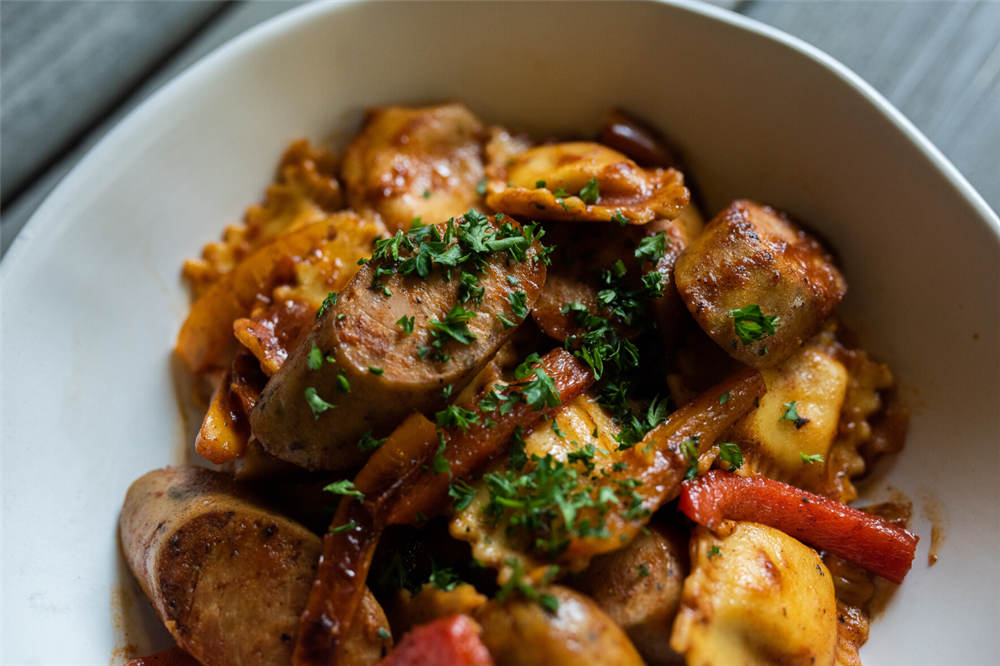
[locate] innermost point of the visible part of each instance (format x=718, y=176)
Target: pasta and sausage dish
x=477, y=397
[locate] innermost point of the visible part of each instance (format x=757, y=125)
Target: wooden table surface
x=70, y=70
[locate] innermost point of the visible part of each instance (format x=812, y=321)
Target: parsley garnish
x=369, y=443
x=507, y=323
x=481, y=187
x=724, y=398
x=375, y=371
x=643, y=570
x=328, y=302
x=652, y=248
x=518, y=302
x=343, y=386
x=406, y=323
x=527, y=590
x=453, y=415
x=384, y=634
x=317, y=404
x=440, y=464
x=751, y=324
x=557, y=430
x=444, y=578
x=713, y=551
x=463, y=494
x=620, y=218
x=652, y=285
x=792, y=414
x=345, y=528
x=689, y=447
x=315, y=358
x=590, y=193
x=731, y=453
x=809, y=460
x=518, y=458
x=452, y=326
x=540, y=392
x=345, y=487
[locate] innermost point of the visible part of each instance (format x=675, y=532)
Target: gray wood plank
x=937, y=62
x=64, y=65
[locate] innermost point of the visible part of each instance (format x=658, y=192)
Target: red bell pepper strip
x=862, y=538
x=450, y=641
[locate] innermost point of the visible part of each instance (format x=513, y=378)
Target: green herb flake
x=375, y=371
x=518, y=458
x=652, y=248
x=792, y=414
x=453, y=415
x=407, y=324
x=369, y=443
x=809, y=460
x=343, y=386
x=590, y=193
x=643, y=570
x=463, y=494
x=440, y=464
x=315, y=358
x=317, y=404
x=328, y=302
x=539, y=184
x=689, y=447
x=481, y=187
x=713, y=551
x=751, y=324
x=518, y=302
x=731, y=453
x=507, y=323
x=384, y=634
x=724, y=398
x=345, y=487
x=344, y=528
x=620, y=218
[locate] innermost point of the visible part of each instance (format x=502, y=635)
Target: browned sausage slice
x=752, y=255
x=390, y=372
x=226, y=575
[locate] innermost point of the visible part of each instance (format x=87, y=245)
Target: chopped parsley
x=384, y=634
x=652, y=248
x=590, y=193
x=809, y=460
x=792, y=414
x=652, y=284
x=507, y=323
x=463, y=494
x=453, y=327
x=620, y=218
x=440, y=464
x=481, y=187
x=407, y=324
x=689, y=448
x=343, y=386
x=344, y=528
x=444, y=578
x=317, y=404
x=517, y=583
x=643, y=570
x=453, y=415
x=518, y=302
x=731, y=453
x=713, y=551
x=518, y=458
x=375, y=371
x=751, y=324
x=369, y=443
x=724, y=398
x=345, y=487
x=328, y=302
x=315, y=358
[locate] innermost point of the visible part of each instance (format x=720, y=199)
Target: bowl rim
x=293, y=18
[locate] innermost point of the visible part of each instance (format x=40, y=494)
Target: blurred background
x=71, y=69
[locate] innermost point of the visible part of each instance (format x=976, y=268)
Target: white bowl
x=92, y=296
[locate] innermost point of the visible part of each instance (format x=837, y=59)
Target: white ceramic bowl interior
x=92, y=297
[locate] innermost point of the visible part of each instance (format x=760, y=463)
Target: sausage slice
x=753, y=256
x=364, y=361
x=226, y=575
